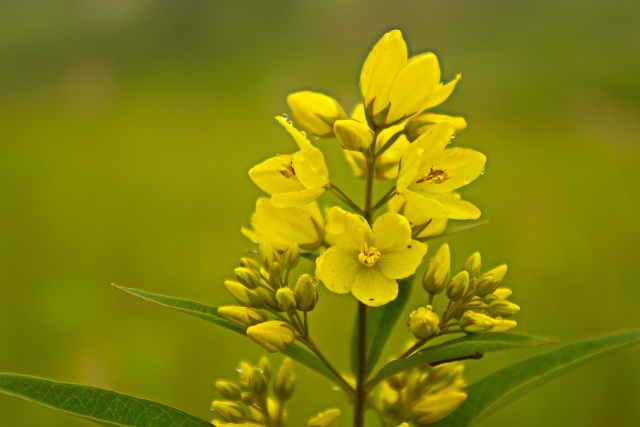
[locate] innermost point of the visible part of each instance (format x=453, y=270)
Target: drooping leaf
x=466, y=346
x=98, y=405
x=210, y=314
x=506, y=385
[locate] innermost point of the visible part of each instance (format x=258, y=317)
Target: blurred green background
x=127, y=129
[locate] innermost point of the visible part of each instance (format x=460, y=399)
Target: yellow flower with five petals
x=368, y=262
x=293, y=179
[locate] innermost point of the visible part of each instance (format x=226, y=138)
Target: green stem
x=306, y=325
x=384, y=199
x=389, y=143
x=345, y=385
x=415, y=233
x=361, y=374
x=345, y=197
x=265, y=411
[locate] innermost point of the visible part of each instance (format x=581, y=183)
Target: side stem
x=361, y=375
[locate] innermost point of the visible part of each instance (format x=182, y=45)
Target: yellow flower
x=293, y=179
x=394, y=87
x=417, y=218
x=367, y=262
x=429, y=173
x=315, y=112
x=280, y=227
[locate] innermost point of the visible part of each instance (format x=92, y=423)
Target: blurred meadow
x=127, y=129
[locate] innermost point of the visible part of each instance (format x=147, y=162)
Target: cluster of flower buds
x=262, y=288
x=423, y=395
x=247, y=403
x=477, y=303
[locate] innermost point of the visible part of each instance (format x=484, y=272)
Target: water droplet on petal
x=303, y=133
x=284, y=116
x=290, y=123
x=453, y=136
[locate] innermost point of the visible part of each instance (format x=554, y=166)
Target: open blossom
x=429, y=173
x=293, y=179
x=435, y=226
x=367, y=262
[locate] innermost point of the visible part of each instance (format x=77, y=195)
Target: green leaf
x=380, y=323
x=210, y=314
x=503, y=387
x=98, y=405
x=459, y=348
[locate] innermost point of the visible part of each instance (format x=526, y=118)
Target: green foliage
x=503, y=387
x=98, y=405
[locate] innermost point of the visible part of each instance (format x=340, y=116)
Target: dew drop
x=316, y=137
x=453, y=136
x=482, y=173
x=334, y=388
x=238, y=370
x=303, y=133
x=290, y=123
x=285, y=117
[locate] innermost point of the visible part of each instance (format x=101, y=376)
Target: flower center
x=286, y=170
x=437, y=176
x=368, y=255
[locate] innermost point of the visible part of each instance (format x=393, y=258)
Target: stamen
x=368, y=255
x=286, y=170
x=437, y=176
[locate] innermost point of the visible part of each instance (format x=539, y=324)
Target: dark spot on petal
x=371, y=299
x=409, y=247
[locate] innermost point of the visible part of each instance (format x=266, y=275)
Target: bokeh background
x=127, y=129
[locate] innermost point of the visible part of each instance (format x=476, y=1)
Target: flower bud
x=265, y=367
x=247, y=398
x=258, y=382
x=315, y=112
x=503, y=308
x=438, y=271
x=503, y=293
x=286, y=299
x=484, y=284
x=275, y=271
x=472, y=322
x=242, y=316
x=306, y=293
x=273, y=335
x=423, y=322
x=291, y=256
x=498, y=274
x=250, y=264
x=420, y=124
x=353, y=135
x=284, y=383
x=229, y=411
x=268, y=298
x=268, y=255
x=242, y=295
x=434, y=407
x=246, y=371
x=324, y=419
x=503, y=325
x=228, y=390
x=472, y=264
x=248, y=277
x=458, y=286
x=399, y=381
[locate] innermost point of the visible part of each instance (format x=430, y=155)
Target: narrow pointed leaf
x=461, y=347
x=210, y=314
x=502, y=387
x=455, y=230
x=95, y=404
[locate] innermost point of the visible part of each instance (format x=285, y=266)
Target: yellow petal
x=266, y=176
x=409, y=167
x=391, y=233
x=441, y=93
x=357, y=162
x=417, y=218
x=353, y=135
x=347, y=229
x=337, y=268
x=358, y=113
x=297, y=198
x=298, y=137
x=380, y=69
x=412, y=87
x=427, y=205
x=373, y=288
x=315, y=112
x=421, y=123
x=310, y=168
x=403, y=263
x=458, y=208
x=464, y=165
x=433, y=141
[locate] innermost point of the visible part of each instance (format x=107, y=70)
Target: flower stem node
x=284, y=382
x=229, y=411
x=434, y=407
x=228, y=390
x=438, y=271
x=472, y=322
x=315, y=112
x=242, y=316
x=273, y=335
x=423, y=322
x=324, y=419
x=472, y=264
x=291, y=256
x=503, y=308
x=421, y=123
x=457, y=287
x=286, y=299
x=353, y=135
x=245, y=297
x=306, y=293
x=248, y=277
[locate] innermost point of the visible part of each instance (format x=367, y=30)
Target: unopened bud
x=434, y=407
x=421, y=123
x=458, y=286
x=503, y=325
x=284, y=383
x=273, y=335
x=503, y=293
x=250, y=264
x=472, y=264
x=258, y=382
x=291, y=256
x=423, y=322
x=248, y=277
x=306, y=293
x=484, y=284
x=315, y=112
x=247, y=398
x=286, y=299
x=268, y=255
x=398, y=382
x=228, y=390
x=245, y=297
x=265, y=366
x=503, y=308
x=324, y=419
x=268, y=298
x=438, y=271
x=275, y=271
x=472, y=322
x=246, y=371
x=229, y=411
x=353, y=135
x=242, y=316
x=498, y=274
